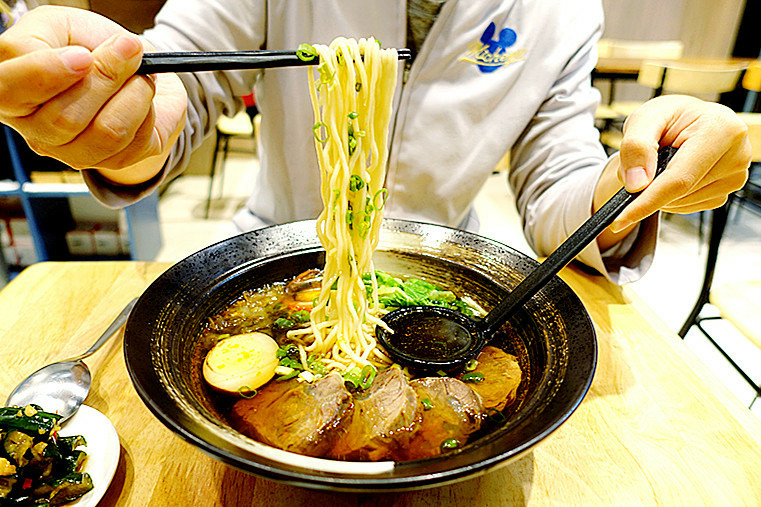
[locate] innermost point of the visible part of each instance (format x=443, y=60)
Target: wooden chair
x=241, y=125
x=605, y=115
x=738, y=303
x=697, y=79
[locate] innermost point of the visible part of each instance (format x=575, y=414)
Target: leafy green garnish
x=396, y=293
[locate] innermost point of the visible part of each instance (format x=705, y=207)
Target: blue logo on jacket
x=489, y=54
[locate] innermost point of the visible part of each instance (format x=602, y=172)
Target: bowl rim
x=172, y=416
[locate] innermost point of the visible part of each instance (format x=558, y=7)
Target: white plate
x=102, y=450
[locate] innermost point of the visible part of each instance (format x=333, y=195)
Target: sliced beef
x=502, y=376
x=296, y=416
x=450, y=411
x=384, y=416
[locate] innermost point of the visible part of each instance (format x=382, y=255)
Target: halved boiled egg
x=241, y=363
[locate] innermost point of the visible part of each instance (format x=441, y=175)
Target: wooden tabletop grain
x=655, y=428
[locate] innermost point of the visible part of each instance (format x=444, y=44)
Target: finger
x=683, y=176
x=64, y=117
x=146, y=143
x=113, y=128
x=28, y=81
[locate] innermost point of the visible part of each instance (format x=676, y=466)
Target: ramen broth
x=276, y=308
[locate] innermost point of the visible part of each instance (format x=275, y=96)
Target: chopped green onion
x=471, y=365
x=325, y=75
x=441, y=373
x=384, y=195
x=353, y=115
x=353, y=376
x=357, y=86
x=306, y=52
x=473, y=376
x=449, y=444
x=300, y=316
x=289, y=375
x=364, y=227
x=495, y=415
x=283, y=323
x=316, y=131
x=246, y=392
x=352, y=145
x=367, y=376
x=379, y=43
x=356, y=183
x=427, y=405
x=350, y=217
x=369, y=208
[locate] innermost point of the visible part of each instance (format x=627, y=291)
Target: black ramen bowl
x=552, y=337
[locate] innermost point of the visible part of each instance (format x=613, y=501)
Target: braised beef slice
x=502, y=376
x=383, y=418
x=296, y=416
x=450, y=410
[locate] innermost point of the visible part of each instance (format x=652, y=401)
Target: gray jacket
x=492, y=76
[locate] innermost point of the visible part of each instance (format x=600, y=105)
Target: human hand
x=67, y=85
x=711, y=162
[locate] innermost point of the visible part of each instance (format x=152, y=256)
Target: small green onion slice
x=471, y=365
x=427, y=404
x=474, y=376
x=353, y=377
x=306, y=52
x=316, y=130
x=441, y=373
x=356, y=183
x=367, y=375
x=289, y=375
x=357, y=86
x=383, y=193
x=449, y=444
x=495, y=415
x=246, y=392
x=353, y=115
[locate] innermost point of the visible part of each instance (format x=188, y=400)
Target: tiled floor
x=670, y=287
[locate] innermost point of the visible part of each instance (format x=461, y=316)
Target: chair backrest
x=637, y=49
x=689, y=78
x=752, y=78
x=753, y=121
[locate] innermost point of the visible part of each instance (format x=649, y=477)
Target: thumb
x=638, y=156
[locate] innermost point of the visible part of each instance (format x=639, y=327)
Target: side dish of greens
x=37, y=466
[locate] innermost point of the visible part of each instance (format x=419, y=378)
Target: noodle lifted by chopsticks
x=352, y=92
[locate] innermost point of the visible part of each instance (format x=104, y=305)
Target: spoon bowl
x=431, y=338
x=62, y=387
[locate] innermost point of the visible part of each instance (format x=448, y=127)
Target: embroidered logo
x=490, y=54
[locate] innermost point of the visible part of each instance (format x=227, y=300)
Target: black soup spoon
x=432, y=338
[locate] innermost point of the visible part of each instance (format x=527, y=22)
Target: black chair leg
x=221, y=139
x=718, y=224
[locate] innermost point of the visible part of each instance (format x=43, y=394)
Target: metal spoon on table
x=434, y=338
x=62, y=387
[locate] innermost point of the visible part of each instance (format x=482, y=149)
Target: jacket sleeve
x=196, y=25
x=556, y=163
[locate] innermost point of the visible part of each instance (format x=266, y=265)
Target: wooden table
x=656, y=426
x=628, y=68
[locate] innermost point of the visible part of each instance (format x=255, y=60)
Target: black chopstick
x=154, y=63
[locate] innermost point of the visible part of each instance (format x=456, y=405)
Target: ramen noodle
x=352, y=91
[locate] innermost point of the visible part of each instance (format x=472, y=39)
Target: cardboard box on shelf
x=106, y=242
x=80, y=242
x=25, y=252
